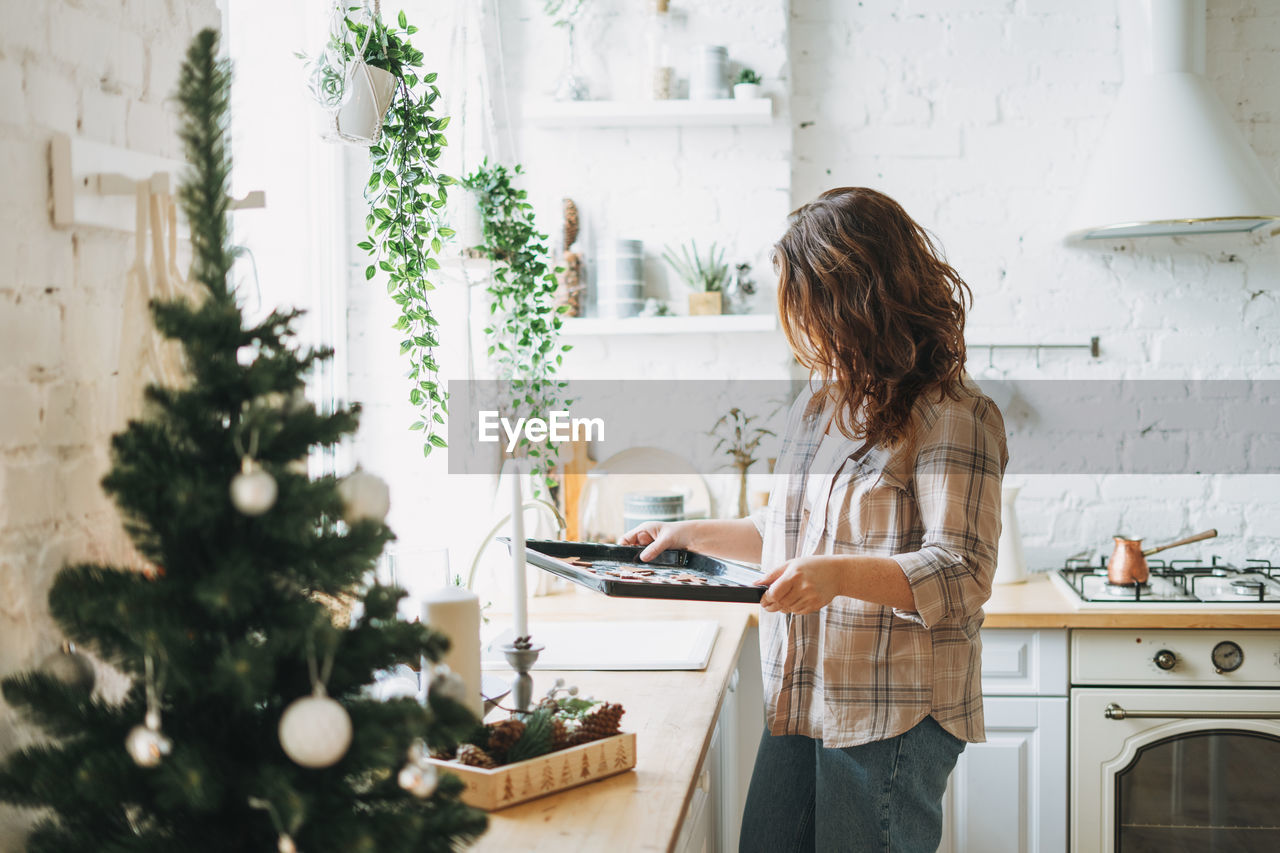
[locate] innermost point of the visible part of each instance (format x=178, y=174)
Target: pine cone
x=570, y=223
x=602, y=722
x=559, y=734
x=503, y=736
x=474, y=756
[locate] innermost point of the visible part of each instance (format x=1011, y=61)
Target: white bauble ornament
x=253, y=490
x=365, y=497
x=286, y=845
x=69, y=668
x=146, y=744
x=448, y=684
x=418, y=752
x=315, y=731
x=419, y=779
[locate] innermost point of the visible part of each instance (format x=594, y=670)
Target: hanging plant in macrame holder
x=353, y=78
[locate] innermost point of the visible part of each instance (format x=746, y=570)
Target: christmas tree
x=236, y=659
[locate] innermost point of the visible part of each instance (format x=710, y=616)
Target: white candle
x=517, y=551
x=455, y=612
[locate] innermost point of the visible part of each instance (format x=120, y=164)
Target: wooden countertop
x=673, y=715
x=1039, y=603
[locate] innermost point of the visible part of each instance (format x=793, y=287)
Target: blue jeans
x=882, y=796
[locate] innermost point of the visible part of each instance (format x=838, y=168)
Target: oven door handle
x=1115, y=712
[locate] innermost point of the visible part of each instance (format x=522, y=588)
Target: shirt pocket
x=870, y=510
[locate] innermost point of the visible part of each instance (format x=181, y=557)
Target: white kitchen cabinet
x=713, y=817
x=1009, y=795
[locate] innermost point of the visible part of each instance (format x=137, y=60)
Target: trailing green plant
x=707, y=274
x=407, y=197
x=563, y=12
x=524, y=332
x=746, y=75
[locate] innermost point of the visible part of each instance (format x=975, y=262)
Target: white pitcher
x=1011, y=564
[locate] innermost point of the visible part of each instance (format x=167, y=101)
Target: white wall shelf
x=709, y=324
x=674, y=113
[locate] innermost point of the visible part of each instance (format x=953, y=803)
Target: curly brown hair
x=868, y=303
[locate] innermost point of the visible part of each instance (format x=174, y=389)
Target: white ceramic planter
x=746, y=91
x=370, y=91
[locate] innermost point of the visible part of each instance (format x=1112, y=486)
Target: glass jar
x=661, y=82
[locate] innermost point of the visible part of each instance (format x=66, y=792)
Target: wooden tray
x=511, y=784
x=717, y=580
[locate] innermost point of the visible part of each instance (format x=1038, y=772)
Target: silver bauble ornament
x=365, y=497
x=69, y=668
x=315, y=731
x=253, y=490
x=146, y=744
x=419, y=779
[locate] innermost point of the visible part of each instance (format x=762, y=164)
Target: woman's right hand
x=658, y=536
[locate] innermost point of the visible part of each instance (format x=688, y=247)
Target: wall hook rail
x=96, y=184
x=1094, y=347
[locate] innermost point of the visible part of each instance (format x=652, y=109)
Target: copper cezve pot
x=1128, y=563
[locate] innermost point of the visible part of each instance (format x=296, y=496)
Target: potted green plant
x=357, y=75
x=704, y=276
x=369, y=77
x=747, y=85
x=739, y=441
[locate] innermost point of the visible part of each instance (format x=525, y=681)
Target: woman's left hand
x=802, y=585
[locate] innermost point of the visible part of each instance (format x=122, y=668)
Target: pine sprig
x=204, y=93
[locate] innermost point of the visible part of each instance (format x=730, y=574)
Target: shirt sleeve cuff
x=925, y=578
x=757, y=518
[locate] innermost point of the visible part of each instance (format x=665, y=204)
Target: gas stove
x=1177, y=583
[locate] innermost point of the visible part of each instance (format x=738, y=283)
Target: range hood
x=1172, y=160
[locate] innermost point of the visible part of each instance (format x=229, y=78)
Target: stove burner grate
x=1177, y=582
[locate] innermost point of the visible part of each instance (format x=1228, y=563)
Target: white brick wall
x=1025, y=86
x=103, y=70
x=980, y=117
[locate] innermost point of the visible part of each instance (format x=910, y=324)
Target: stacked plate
x=621, y=276
x=641, y=507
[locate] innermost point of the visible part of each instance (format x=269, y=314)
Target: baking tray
x=616, y=570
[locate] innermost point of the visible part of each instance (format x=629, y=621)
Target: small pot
x=370, y=91
x=1128, y=563
x=708, y=302
x=746, y=91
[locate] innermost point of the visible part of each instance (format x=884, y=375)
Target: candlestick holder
x=522, y=655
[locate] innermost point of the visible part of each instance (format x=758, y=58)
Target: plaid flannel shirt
x=857, y=672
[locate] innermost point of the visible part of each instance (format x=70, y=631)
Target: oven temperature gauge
x=1227, y=657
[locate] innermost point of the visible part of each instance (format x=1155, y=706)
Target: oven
x=1175, y=741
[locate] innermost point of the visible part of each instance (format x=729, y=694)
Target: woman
x=878, y=543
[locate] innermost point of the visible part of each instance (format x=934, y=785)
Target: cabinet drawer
x=1017, y=662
